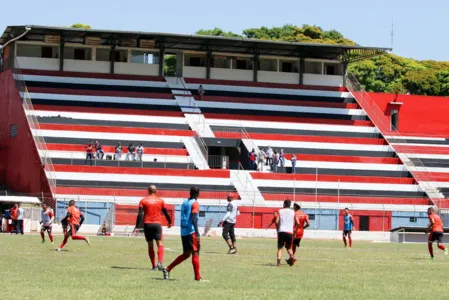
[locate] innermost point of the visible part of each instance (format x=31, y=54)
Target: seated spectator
x=89, y=153
x=140, y=151
x=99, y=148
x=118, y=151
x=282, y=158
x=293, y=164
x=131, y=152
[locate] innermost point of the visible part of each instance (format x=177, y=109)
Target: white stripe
x=419, y=145
x=287, y=125
x=437, y=184
x=349, y=166
x=95, y=81
x=432, y=156
x=415, y=138
x=107, y=117
x=430, y=169
x=313, y=145
x=283, y=108
x=105, y=177
x=336, y=185
x=91, y=135
x=103, y=99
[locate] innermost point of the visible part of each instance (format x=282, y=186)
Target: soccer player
x=190, y=235
x=273, y=221
x=284, y=221
x=436, y=232
x=150, y=209
x=74, y=218
x=348, y=227
x=301, y=223
x=228, y=224
x=47, y=218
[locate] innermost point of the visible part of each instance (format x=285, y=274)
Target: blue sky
x=420, y=27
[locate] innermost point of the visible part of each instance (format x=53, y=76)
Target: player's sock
x=344, y=240
x=176, y=262
x=350, y=242
x=196, y=266
x=294, y=249
x=152, y=256
x=64, y=242
x=441, y=247
x=278, y=262
x=160, y=253
x=43, y=237
x=430, y=250
x=78, y=237
x=51, y=237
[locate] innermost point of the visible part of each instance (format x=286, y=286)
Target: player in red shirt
x=436, y=232
x=273, y=221
x=74, y=218
x=301, y=223
x=150, y=210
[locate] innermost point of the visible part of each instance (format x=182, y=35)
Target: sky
x=420, y=27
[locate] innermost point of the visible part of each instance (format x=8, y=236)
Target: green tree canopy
x=79, y=25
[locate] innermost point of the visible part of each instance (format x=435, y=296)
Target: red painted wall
x=425, y=115
x=22, y=170
x=126, y=214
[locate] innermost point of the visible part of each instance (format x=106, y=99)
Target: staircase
x=245, y=186
x=197, y=156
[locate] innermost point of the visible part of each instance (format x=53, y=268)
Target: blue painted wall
x=94, y=212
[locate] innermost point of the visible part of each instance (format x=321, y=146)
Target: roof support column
x=61, y=55
x=345, y=70
x=161, y=60
x=208, y=63
x=302, y=68
x=255, y=66
x=112, y=57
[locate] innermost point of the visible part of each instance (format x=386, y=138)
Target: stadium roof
x=171, y=41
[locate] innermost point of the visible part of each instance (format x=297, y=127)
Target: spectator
x=20, y=217
x=89, y=150
x=13, y=215
x=282, y=158
x=269, y=156
x=293, y=164
x=274, y=166
x=140, y=151
x=261, y=160
x=131, y=152
x=252, y=160
x=100, y=152
x=118, y=151
x=201, y=92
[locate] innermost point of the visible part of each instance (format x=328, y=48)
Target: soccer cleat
x=155, y=269
x=52, y=243
x=202, y=280
x=446, y=252
x=432, y=258
x=166, y=274
x=58, y=249
x=43, y=242
x=159, y=267
x=292, y=261
x=232, y=251
x=88, y=241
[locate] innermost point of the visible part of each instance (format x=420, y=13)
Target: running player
x=47, y=218
x=150, y=209
x=301, y=223
x=74, y=218
x=348, y=227
x=273, y=221
x=284, y=221
x=436, y=232
x=228, y=224
x=190, y=235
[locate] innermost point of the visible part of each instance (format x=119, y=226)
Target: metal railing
x=248, y=186
x=33, y=123
x=424, y=178
x=218, y=161
x=237, y=131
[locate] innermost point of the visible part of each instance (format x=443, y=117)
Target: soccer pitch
x=118, y=268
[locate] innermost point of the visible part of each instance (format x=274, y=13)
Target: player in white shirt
x=47, y=218
x=285, y=221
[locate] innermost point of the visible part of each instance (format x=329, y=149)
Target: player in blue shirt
x=189, y=234
x=348, y=227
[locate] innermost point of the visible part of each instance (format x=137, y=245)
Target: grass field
x=118, y=268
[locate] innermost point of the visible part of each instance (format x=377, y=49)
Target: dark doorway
x=394, y=119
x=364, y=223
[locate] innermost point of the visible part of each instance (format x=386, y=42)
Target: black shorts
x=436, y=236
x=46, y=228
x=296, y=242
x=73, y=228
x=152, y=231
x=347, y=232
x=285, y=240
x=190, y=243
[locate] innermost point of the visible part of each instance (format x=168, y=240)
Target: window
x=103, y=54
x=289, y=66
x=242, y=63
x=413, y=220
x=221, y=62
x=143, y=57
x=394, y=119
x=329, y=69
x=268, y=65
x=194, y=60
x=13, y=130
x=78, y=53
x=38, y=51
x=312, y=67
x=312, y=217
x=121, y=56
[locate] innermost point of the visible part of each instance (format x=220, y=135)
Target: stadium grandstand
x=199, y=123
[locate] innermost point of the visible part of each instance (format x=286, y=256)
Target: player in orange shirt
x=273, y=221
x=436, y=232
x=150, y=210
x=301, y=223
x=74, y=218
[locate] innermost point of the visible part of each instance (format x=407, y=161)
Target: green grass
x=118, y=268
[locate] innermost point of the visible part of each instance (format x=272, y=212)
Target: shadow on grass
x=130, y=268
x=419, y=258
x=62, y=250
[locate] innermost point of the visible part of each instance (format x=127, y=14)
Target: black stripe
x=342, y=192
x=335, y=152
x=74, y=141
x=125, y=164
x=428, y=142
x=71, y=121
x=303, y=132
x=143, y=185
x=348, y=172
x=254, y=112
x=431, y=163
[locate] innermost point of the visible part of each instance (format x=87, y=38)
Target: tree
x=79, y=25
x=216, y=32
x=422, y=82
